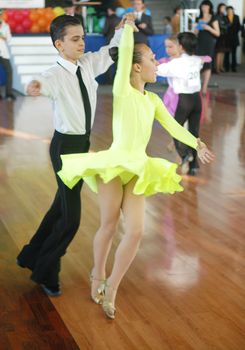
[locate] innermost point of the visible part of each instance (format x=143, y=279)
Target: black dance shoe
x=192, y=172
x=10, y=97
x=22, y=265
x=51, y=291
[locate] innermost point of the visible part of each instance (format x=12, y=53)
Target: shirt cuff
x=115, y=41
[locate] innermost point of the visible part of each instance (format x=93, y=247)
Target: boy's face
x=72, y=46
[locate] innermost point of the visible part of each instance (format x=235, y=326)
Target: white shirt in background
x=184, y=72
x=5, y=31
x=138, y=15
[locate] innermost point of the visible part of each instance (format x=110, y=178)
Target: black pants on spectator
x=189, y=109
x=43, y=253
x=9, y=75
x=233, y=63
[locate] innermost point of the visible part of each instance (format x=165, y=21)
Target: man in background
x=71, y=10
x=111, y=22
x=143, y=22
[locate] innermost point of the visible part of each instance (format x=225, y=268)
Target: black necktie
x=86, y=103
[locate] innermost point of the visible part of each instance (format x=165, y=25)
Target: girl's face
x=230, y=12
x=172, y=48
x=222, y=9
x=148, y=65
x=205, y=9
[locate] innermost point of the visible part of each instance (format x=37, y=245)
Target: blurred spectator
x=72, y=10
x=243, y=35
x=167, y=27
x=5, y=37
x=143, y=22
x=234, y=27
x=111, y=22
x=207, y=31
x=175, y=20
x=221, y=44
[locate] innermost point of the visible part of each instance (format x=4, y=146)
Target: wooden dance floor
x=186, y=287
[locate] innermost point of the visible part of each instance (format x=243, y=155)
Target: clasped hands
x=128, y=18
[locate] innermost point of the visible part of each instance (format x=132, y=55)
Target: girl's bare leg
x=133, y=212
x=206, y=78
x=110, y=199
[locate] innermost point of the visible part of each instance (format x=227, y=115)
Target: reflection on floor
x=185, y=289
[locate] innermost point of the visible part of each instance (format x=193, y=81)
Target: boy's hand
x=129, y=16
x=120, y=24
x=33, y=88
x=203, y=152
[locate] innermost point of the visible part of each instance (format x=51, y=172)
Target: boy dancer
x=71, y=85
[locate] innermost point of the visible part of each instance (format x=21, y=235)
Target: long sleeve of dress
x=122, y=85
x=172, y=126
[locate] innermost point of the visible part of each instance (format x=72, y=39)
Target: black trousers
x=233, y=63
x=189, y=109
x=9, y=74
x=43, y=253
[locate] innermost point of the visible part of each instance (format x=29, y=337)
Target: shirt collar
x=71, y=67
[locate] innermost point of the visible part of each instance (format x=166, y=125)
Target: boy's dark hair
x=167, y=18
x=112, y=7
x=59, y=25
x=188, y=41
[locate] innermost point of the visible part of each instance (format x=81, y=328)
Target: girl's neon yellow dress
x=133, y=116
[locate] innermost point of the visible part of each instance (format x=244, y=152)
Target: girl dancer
x=123, y=175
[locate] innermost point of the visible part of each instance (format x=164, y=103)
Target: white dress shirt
x=5, y=31
x=138, y=15
x=184, y=73
x=61, y=84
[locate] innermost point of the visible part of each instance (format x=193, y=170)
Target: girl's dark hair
x=59, y=25
x=208, y=3
x=219, y=7
x=137, y=54
x=188, y=41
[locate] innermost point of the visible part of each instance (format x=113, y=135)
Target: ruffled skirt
x=154, y=175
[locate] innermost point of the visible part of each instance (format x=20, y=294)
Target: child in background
x=170, y=98
x=5, y=38
x=184, y=73
x=167, y=27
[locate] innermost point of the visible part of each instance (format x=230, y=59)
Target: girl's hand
x=132, y=24
x=129, y=18
x=33, y=88
x=203, y=152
